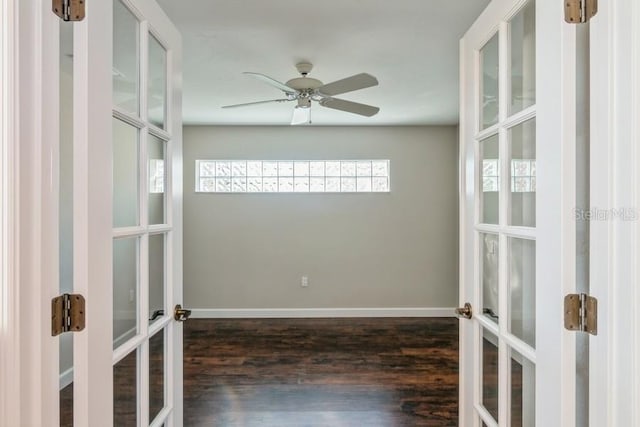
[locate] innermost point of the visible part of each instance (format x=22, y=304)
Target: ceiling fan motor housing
x=304, y=83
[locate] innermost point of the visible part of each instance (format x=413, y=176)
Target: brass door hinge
x=579, y=11
x=69, y=10
x=67, y=314
x=581, y=313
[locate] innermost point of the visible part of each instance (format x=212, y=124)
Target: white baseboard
x=126, y=336
x=66, y=378
x=240, y=313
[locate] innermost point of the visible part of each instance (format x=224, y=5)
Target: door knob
x=465, y=311
x=181, y=314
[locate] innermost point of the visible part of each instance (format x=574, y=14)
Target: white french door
x=118, y=193
x=517, y=363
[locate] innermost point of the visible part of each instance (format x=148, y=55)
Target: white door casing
x=554, y=231
x=9, y=293
x=35, y=249
x=615, y=207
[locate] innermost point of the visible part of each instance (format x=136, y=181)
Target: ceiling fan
x=305, y=89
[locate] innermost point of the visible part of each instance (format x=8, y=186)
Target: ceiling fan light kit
x=306, y=89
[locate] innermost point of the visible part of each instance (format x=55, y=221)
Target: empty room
x=321, y=251
x=319, y=214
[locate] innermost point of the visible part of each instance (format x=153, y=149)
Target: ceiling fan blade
x=301, y=116
x=255, y=103
x=350, y=107
x=268, y=80
x=349, y=84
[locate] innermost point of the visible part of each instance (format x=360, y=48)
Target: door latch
x=465, y=312
x=181, y=314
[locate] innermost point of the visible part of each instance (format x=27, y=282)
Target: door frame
x=9, y=326
x=33, y=134
x=615, y=240
x=24, y=104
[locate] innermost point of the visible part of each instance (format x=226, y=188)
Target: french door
x=517, y=363
x=118, y=204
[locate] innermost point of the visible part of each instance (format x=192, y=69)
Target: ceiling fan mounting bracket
x=304, y=68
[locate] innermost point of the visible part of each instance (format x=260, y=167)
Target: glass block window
x=292, y=176
x=490, y=175
x=156, y=176
x=523, y=176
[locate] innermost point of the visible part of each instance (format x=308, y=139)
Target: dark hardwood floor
x=321, y=372
x=311, y=373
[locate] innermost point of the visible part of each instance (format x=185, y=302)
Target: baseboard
x=66, y=378
x=125, y=337
x=240, y=313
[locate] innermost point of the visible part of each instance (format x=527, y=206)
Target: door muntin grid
x=509, y=284
x=146, y=110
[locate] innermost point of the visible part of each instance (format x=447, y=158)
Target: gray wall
x=397, y=249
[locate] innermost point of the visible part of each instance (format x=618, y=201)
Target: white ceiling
x=411, y=46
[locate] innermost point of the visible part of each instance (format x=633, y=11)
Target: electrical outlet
x=304, y=282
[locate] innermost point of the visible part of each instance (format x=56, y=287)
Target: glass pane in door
x=156, y=375
x=523, y=392
x=522, y=147
x=125, y=289
x=125, y=391
x=490, y=373
x=157, y=180
x=490, y=180
x=157, y=83
x=156, y=276
x=522, y=289
x=522, y=30
x=489, y=252
x=126, y=59
x=489, y=83
x=125, y=174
